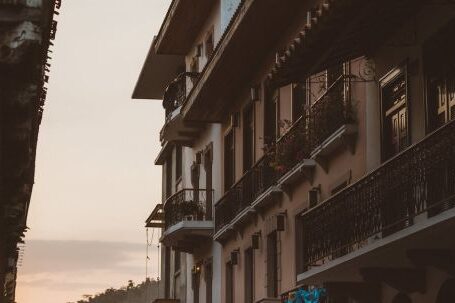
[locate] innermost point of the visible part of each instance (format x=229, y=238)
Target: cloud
x=65, y=256
x=68, y=269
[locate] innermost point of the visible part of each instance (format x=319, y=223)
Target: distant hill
x=141, y=293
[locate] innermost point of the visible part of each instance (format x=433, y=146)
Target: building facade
x=26, y=31
x=307, y=149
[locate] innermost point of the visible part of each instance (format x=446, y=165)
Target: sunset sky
x=95, y=178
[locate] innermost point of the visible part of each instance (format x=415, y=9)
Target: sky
x=95, y=180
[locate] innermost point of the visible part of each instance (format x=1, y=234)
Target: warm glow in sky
x=95, y=180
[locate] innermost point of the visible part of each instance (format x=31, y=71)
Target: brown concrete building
x=26, y=31
x=332, y=141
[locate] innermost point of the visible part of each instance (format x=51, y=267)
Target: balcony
x=186, y=223
x=331, y=122
x=235, y=206
x=328, y=125
x=413, y=191
x=175, y=129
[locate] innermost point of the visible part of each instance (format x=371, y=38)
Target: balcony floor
x=387, y=252
x=186, y=235
x=177, y=130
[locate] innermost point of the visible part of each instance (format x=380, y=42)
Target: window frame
x=248, y=110
x=178, y=165
x=272, y=252
x=209, y=36
x=230, y=133
x=387, y=79
x=249, y=275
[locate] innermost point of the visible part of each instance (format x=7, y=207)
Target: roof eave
x=156, y=73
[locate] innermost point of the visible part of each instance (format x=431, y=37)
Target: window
x=271, y=121
x=208, y=276
x=229, y=282
x=394, y=113
x=168, y=177
x=178, y=164
x=441, y=99
x=177, y=274
x=208, y=160
x=299, y=247
x=209, y=44
x=299, y=100
x=229, y=160
x=272, y=265
x=248, y=137
x=333, y=74
x=196, y=276
x=167, y=272
x=439, y=66
x=199, y=50
x=177, y=262
x=249, y=275
x=194, y=68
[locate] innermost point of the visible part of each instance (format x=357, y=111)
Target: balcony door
x=208, y=166
x=229, y=282
x=248, y=137
x=168, y=177
x=394, y=103
x=439, y=65
x=249, y=275
x=271, y=115
x=229, y=160
x=196, y=279
x=208, y=275
x=439, y=69
x=272, y=265
x=441, y=100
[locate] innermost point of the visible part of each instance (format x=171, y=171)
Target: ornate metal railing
x=420, y=181
x=244, y=192
x=291, y=148
x=177, y=91
x=186, y=204
x=330, y=112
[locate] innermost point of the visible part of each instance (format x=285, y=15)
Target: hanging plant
x=290, y=149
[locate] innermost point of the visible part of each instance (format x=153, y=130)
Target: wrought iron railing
x=291, y=148
x=186, y=205
x=177, y=91
x=420, y=181
x=244, y=192
x=330, y=112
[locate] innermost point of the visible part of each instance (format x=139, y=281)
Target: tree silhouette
x=131, y=293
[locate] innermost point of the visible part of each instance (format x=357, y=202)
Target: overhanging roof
x=226, y=73
x=181, y=25
x=156, y=218
x=164, y=152
x=157, y=72
x=324, y=43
